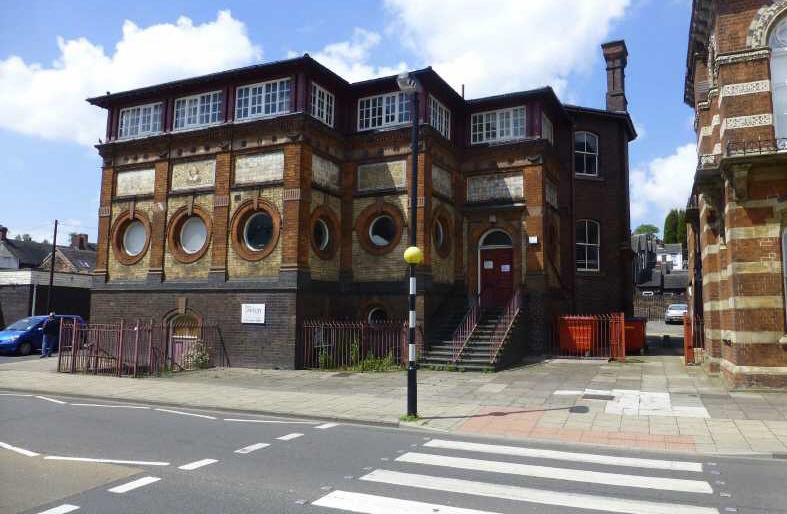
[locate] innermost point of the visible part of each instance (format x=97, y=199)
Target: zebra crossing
x=459, y=477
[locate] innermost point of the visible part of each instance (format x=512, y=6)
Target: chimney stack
x=3, y=233
x=616, y=54
x=79, y=241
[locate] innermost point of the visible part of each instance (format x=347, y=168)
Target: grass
x=408, y=418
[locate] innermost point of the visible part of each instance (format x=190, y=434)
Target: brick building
x=735, y=82
x=282, y=184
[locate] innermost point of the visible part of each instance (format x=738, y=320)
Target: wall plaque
x=252, y=313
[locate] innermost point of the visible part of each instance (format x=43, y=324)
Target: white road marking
x=16, y=449
x=16, y=394
x=289, y=437
x=610, y=460
x=327, y=425
x=51, y=400
x=62, y=509
x=526, y=494
x=136, y=484
x=571, y=475
x=567, y=393
x=110, y=406
x=185, y=413
x=253, y=447
x=197, y=464
x=371, y=504
x=108, y=461
x=270, y=421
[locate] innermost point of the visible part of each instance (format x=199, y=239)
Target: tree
x=647, y=229
x=671, y=227
x=27, y=237
x=682, y=236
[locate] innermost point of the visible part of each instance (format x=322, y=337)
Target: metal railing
x=654, y=307
x=590, y=336
x=504, y=325
x=756, y=146
x=138, y=348
x=328, y=344
x=693, y=339
x=465, y=329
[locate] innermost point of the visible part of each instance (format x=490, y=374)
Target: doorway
x=495, y=268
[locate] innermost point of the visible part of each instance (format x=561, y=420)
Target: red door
x=497, y=276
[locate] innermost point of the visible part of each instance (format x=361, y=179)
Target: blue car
x=26, y=335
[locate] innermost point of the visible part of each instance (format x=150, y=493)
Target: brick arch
x=760, y=27
x=332, y=221
x=176, y=224
x=365, y=219
x=447, y=220
x=474, y=240
x=118, y=230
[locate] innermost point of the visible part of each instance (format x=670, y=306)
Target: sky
x=53, y=55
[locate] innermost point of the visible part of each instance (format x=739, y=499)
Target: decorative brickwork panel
x=259, y=167
x=197, y=270
x=325, y=172
x=551, y=194
x=441, y=182
x=135, y=182
x=121, y=272
x=193, y=174
x=390, y=266
x=324, y=269
x=484, y=188
x=382, y=175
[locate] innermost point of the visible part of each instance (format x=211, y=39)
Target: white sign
x=505, y=268
x=252, y=313
x=489, y=265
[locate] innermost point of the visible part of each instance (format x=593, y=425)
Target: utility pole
x=51, y=272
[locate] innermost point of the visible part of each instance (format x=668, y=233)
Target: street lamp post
x=413, y=255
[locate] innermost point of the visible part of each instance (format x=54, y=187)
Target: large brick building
x=282, y=184
x=735, y=81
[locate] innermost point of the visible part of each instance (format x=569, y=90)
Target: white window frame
x=585, y=154
x=597, y=244
x=547, y=130
x=323, y=104
x=198, y=111
x=154, y=125
x=269, y=103
x=498, y=125
x=386, y=110
x=440, y=117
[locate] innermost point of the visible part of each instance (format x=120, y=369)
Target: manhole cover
x=605, y=397
x=342, y=375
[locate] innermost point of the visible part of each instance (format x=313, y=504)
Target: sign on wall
x=252, y=313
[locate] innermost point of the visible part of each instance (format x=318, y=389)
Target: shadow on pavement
x=576, y=409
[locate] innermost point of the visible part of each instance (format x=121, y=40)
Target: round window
x=258, y=231
x=193, y=235
x=382, y=231
x=134, y=238
x=439, y=234
x=377, y=315
x=321, y=235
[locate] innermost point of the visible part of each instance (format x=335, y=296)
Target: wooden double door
x=496, y=276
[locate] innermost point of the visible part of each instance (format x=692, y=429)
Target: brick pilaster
x=297, y=202
x=348, y=174
x=221, y=210
x=158, y=222
x=104, y=223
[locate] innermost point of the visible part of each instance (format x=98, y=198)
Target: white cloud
x=49, y=101
x=350, y=59
x=505, y=45
x=664, y=184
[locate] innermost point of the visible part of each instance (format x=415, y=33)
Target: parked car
x=675, y=312
x=648, y=294
x=26, y=335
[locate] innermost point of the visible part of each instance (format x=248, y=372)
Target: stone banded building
x=283, y=185
x=735, y=81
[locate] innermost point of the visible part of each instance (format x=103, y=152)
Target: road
x=185, y=461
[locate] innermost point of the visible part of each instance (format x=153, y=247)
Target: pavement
x=61, y=455
x=651, y=401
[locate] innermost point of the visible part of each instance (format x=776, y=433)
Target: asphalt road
x=185, y=461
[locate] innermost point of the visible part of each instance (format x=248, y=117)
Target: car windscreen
x=678, y=307
x=23, y=324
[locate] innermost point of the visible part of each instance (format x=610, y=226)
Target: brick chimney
x=79, y=241
x=616, y=54
x=3, y=233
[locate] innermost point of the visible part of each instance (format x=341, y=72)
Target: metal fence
x=693, y=339
x=589, y=336
x=327, y=344
x=653, y=307
x=139, y=348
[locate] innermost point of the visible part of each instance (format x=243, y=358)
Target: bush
x=198, y=357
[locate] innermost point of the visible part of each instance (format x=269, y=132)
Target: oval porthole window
x=258, y=232
x=439, y=234
x=321, y=235
x=377, y=315
x=382, y=231
x=134, y=238
x=193, y=235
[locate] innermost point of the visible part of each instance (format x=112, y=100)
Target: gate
x=599, y=336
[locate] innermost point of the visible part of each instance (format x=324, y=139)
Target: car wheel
x=25, y=348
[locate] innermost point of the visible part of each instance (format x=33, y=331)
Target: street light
x=413, y=256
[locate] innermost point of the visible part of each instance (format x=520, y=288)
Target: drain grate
x=605, y=397
x=341, y=375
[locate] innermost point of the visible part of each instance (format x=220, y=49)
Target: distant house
x=24, y=277
x=658, y=267
x=673, y=254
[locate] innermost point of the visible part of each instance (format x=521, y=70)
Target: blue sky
x=55, y=54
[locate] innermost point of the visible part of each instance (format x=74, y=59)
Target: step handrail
x=465, y=329
x=504, y=325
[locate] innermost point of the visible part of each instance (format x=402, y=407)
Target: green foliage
x=408, y=418
x=372, y=363
x=325, y=359
x=647, y=229
x=682, y=236
x=198, y=357
x=671, y=227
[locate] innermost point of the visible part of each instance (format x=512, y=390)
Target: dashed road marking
x=135, y=484
x=61, y=509
x=16, y=394
x=107, y=461
x=53, y=400
x=289, y=437
x=16, y=449
x=234, y=420
x=110, y=406
x=251, y=448
x=197, y=464
x=327, y=425
x=170, y=411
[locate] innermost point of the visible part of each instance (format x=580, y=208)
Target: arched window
x=585, y=153
x=588, y=243
x=778, y=44
x=496, y=239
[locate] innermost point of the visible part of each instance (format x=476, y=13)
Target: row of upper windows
x=273, y=98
